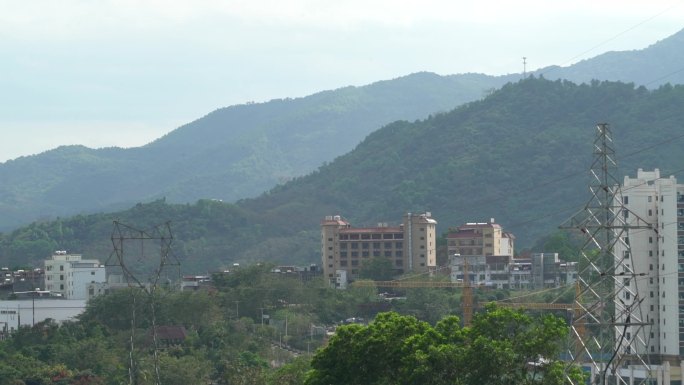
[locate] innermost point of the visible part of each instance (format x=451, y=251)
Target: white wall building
x=658, y=253
x=70, y=274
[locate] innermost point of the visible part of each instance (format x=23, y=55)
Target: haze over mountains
x=241, y=151
x=520, y=155
x=496, y=157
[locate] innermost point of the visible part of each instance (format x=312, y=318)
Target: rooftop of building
x=365, y=230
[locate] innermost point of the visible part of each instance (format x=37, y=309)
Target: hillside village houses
x=486, y=250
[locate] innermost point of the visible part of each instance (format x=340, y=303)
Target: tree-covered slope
x=241, y=151
x=520, y=155
x=657, y=64
x=234, y=152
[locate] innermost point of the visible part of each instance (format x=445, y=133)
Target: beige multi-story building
x=411, y=247
x=486, y=249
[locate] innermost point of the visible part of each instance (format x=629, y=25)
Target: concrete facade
x=657, y=254
x=70, y=274
x=410, y=247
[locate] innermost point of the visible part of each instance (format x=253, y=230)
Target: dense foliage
x=256, y=326
x=520, y=156
x=501, y=347
x=231, y=153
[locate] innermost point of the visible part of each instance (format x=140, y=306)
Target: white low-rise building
x=70, y=274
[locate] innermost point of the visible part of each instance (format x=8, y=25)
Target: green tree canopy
x=502, y=346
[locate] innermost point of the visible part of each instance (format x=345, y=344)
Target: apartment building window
x=355, y=262
x=61, y=287
x=650, y=199
x=650, y=267
x=376, y=236
x=329, y=239
x=365, y=254
x=626, y=213
x=376, y=253
x=422, y=229
x=650, y=253
x=388, y=253
x=376, y=245
x=329, y=247
x=343, y=263
x=388, y=245
x=365, y=246
x=650, y=212
x=343, y=254
x=398, y=245
x=344, y=236
x=399, y=263
x=398, y=253
x=343, y=246
x=625, y=199
x=61, y=267
x=61, y=277
x=387, y=236
x=354, y=245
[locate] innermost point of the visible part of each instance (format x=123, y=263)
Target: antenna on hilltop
x=524, y=67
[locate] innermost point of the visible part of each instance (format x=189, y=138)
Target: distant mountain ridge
x=521, y=156
x=241, y=151
x=232, y=153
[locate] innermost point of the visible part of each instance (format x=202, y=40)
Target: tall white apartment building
x=70, y=274
x=658, y=258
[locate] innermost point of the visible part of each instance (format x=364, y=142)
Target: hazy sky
x=122, y=73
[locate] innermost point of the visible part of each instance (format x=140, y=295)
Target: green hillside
x=241, y=151
x=520, y=155
x=231, y=153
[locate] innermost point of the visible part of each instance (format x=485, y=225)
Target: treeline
x=258, y=327
x=521, y=156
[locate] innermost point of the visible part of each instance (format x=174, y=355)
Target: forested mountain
x=520, y=155
x=241, y=151
x=660, y=63
x=232, y=153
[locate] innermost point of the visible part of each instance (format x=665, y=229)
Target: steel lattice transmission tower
x=608, y=330
x=131, y=246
